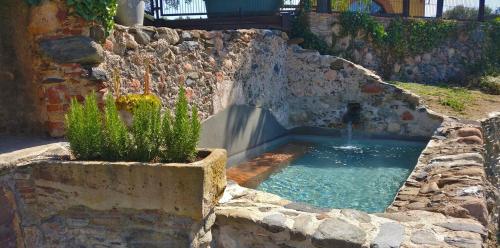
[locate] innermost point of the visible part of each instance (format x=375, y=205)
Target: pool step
x=250, y=174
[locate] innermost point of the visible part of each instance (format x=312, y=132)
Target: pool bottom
x=365, y=174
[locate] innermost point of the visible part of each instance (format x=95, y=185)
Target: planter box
x=188, y=190
x=242, y=7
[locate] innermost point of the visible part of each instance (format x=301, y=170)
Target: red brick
x=407, y=116
x=54, y=107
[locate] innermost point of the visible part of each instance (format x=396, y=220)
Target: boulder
x=73, y=49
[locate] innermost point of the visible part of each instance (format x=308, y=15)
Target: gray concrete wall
x=239, y=128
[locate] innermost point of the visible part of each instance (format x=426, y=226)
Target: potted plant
x=242, y=7
x=130, y=12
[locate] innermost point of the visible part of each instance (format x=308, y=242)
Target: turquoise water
x=365, y=174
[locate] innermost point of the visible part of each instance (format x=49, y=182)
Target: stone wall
x=443, y=63
x=18, y=95
x=219, y=69
x=321, y=88
x=53, y=203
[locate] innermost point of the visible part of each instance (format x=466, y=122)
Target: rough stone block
x=73, y=49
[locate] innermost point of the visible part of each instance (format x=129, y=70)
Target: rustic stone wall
x=321, y=88
x=19, y=104
x=217, y=68
x=443, y=63
x=53, y=203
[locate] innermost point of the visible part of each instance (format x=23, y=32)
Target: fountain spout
x=353, y=114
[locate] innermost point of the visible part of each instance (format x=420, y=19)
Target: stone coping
x=251, y=218
x=190, y=189
x=444, y=203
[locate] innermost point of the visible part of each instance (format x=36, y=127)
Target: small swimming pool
x=364, y=174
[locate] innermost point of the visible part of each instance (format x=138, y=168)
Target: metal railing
x=448, y=9
x=196, y=9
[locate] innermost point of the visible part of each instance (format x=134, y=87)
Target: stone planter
x=126, y=204
x=130, y=12
x=188, y=190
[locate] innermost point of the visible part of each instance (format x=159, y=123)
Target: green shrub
x=181, y=135
x=151, y=137
x=84, y=129
x=145, y=130
x=116, y=137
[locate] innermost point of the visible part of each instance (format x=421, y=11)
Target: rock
x=73, y=49
x=141, y=36
x=168, y=34
x=98, y=74
x=305, y=208
x=471, y=140
x=469, y=131
x=429, y=188
x=457, y=226
x=477, y=209
x=391, y=235
x=303, y=226
x=463, y=242
x=274, y=223
x=455, y=211
x=97, y=33
x=362, y=217
x=338, y=233
x=476, y=157
x=130, y=42
x=186, y=36
x=424, y=237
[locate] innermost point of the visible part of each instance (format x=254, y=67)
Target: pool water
x=364, y=174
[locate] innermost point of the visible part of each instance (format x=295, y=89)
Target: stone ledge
x=251, y=218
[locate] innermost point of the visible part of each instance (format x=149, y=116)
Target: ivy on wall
x=402, y=37
x=301, y=29
x=100, y=11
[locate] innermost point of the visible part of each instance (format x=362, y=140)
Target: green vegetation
x=116, y=138
x=130, y=102
x=84, y=129
x=453, y=97
x=402, y=36
x=101, y=11
x=461, y=12
x=182, y=133
x=301, y=29
x=151, y=137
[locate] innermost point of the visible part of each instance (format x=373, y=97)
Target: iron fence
x=449, y=9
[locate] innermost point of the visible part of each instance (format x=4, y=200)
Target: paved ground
x=15, y=149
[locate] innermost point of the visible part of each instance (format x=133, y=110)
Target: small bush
x=84, y=129
x=181, y=135
x=145, y=132
x=151, y=137
x=116, y=137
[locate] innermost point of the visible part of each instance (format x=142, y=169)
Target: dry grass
x=455, y=101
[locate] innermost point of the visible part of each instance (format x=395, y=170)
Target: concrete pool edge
x=245, y=210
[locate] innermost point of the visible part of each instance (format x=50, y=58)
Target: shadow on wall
x=19, y=113
x=239, y=128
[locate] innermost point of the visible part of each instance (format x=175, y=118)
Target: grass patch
x=456, y=98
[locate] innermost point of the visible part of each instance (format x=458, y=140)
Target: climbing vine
x=301, y=29
x=101, y=11
x=402, y=37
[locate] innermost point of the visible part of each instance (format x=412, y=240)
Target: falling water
x=349, y=133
